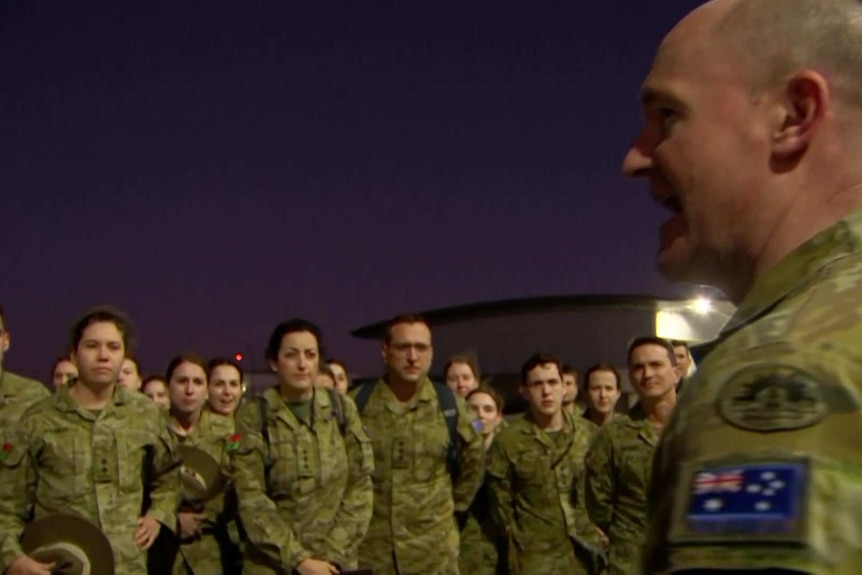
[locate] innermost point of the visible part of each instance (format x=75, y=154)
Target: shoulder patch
x=763, y=500
x=772, y=398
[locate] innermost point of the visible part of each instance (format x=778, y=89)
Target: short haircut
x=220, y=361
x=602, y=367
x=408, y=318
x=466, y=359
x=569, y=370
x=537, y=359
x=295, y=325
x=150, y=379
x=58, y=361
x=103, y=314
x=192, y=358
x=652, y=340
x=679, y=343
x=491, y=392
x=134, y=360
x=324, y=369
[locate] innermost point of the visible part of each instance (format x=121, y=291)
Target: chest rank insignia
x=773, y=398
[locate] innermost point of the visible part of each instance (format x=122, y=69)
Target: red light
x=238, y=357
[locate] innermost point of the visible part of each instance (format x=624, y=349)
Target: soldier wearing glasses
x=417, y=490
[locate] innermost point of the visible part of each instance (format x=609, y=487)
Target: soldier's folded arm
x=471, y=459
x=165, y=493
x=499, y=479
x=257, y=512
x=599, y=486
x=17, y=495
x=354, y=514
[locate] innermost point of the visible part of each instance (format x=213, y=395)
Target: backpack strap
x=449, y=408
x=363, y=394
x=264, y=423
x=338, y=410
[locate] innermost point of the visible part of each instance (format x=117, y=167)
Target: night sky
x=216, y=167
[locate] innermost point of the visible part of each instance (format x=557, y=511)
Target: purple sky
x=216, y=169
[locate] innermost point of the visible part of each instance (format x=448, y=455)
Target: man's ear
x=800, y=112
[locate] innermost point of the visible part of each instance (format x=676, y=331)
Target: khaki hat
x=202, y=477
x=74, y=544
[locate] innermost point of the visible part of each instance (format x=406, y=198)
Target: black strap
x=449, y=407
x=363, y=394
x=338, y=410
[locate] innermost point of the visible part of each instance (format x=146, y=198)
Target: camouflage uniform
x=413, y=529
x=64, y=458
x=215, y=549
x=16, y=395
x=537, y=487
x=619, y=466
x=481, y=539
x=307, y=493
x=761, y=465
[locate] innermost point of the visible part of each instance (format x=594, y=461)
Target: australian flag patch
x=752, y=499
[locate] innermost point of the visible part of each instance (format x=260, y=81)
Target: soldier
x=619, y=464
x=302, y=466
x=16, y=393
x=461, y=374
x=342, y=377
x=684, y=362
x=427, y=458
x=225, y=379
x=203, y=527
x=481, y=537
x=536, y=477
x=603, y=392
x=752, y=138
x=130, y=375
x=156, y=388
x=63, y=371
x=86, y=451
x=570, y=382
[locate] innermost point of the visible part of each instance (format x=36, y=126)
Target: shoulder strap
x=338, y=409
x=449, y=408
x=264, y=424
x=363, y=394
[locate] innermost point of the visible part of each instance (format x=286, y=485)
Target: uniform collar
x=64, y=401
x=798, y=269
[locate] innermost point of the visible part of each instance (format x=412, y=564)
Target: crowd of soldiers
x=751, y=139
x=402, y=475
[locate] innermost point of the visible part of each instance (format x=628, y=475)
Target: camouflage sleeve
x=499, y=481
x=600, y=490
x=165, y=492
x=351, y=522
x=257, y=512
x=471, y=455
x=17, y=494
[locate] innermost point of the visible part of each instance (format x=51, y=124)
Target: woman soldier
x=303, y=466
x=481, y=541
x=203, y=526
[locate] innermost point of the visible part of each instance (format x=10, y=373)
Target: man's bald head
x=776, y=39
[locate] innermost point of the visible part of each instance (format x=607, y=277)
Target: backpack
x=449, y=408
x=337, y=409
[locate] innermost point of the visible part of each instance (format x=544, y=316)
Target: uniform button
x=104, y=461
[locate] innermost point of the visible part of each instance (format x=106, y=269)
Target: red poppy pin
x=7, y=448
x=233, y=442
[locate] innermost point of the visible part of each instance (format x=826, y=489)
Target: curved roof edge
x=521, y=306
